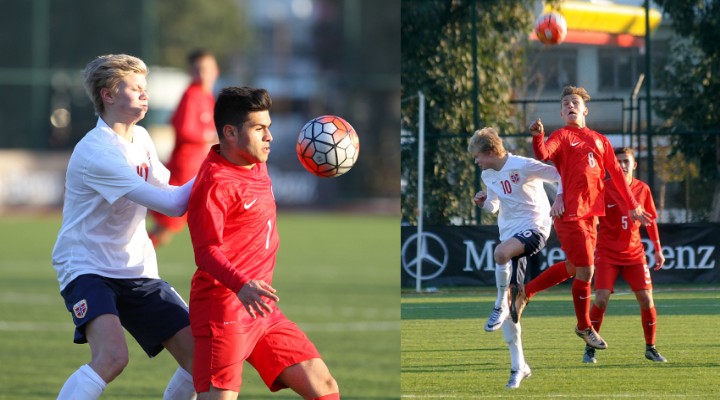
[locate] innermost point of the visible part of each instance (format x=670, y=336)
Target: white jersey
x=102, y=232
x=517, y=192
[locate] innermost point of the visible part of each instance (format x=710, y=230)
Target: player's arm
x=652, y=229
x=548, y=173
x=654, y=235
x=541, y=149
x=488, y=201
x=558, y=206
x=171, y=201
x=637, y=212
x=109, y=175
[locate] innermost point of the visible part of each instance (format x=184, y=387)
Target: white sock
x=512, y=333
x=180, y=386
x=502, y=280
x=84, y=384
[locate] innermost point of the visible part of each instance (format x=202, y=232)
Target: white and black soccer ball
x=328, y=146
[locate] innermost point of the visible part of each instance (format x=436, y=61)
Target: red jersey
x=618, y=235
x=192, y=119
x=231, y=216
x=582, y=156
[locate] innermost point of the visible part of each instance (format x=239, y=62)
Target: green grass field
x=337, y=277
x=446, y=354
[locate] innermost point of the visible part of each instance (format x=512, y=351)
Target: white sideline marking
x=370, y=326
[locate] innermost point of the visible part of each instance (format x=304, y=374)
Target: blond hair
x=106, y=72
x=580, y=91
x=486, y=141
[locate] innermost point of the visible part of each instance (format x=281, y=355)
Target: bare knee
x=584, y=273
x=110, y=362
x=310, y=379
x=602, y=297
x=328, y=386
x=501, y=257
x=645, y=299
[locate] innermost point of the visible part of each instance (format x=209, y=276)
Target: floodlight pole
x=648, y=84
x=421, y=179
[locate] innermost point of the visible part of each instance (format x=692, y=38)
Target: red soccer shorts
x=270, y=345
x=578, y=239
x=636, y=275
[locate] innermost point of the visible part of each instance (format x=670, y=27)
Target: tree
x=692, y=77
x=437, y=59
x=183, y=25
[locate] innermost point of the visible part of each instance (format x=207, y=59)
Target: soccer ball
x=328, y=146
x=551, y=28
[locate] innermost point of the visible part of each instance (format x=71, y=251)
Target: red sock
x=581, y=299
x=649, y=321
x=332, y=396
x=596, y=317
x=557, y=273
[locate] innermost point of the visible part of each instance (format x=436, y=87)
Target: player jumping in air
x=233, y=307
x=514, y=191
x=582, y=156
x=105, y=261
x=620, y=252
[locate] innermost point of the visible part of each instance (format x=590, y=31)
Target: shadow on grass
x=625, y=305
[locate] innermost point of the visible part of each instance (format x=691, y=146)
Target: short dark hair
x=235, y=103
x=197, y=54
x=624, y=150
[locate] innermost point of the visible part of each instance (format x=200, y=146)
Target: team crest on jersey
x=80, y=308
x=515, y=176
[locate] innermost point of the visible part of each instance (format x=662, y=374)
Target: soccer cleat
x=497, y=317
x=652, y=354
x=518, y=301
x=517, y=376
x=589, y=355
x=591, y=337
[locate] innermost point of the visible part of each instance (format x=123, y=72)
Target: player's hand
x=659, y=260
x=251, y=296
x=558, y=207
x=480, y=198
x=537, y=128
x=641, y=215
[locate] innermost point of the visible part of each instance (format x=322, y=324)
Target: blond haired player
x=514, y=191
x=105, y=261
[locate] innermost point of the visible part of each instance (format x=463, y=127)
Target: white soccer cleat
x=497, y=317
x=517, y=376
x=591, y=337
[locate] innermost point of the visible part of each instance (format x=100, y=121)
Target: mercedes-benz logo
x=432, y=266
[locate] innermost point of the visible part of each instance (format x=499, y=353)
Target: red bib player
x=581, y=156
x=620, y=252
x=233, y=307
